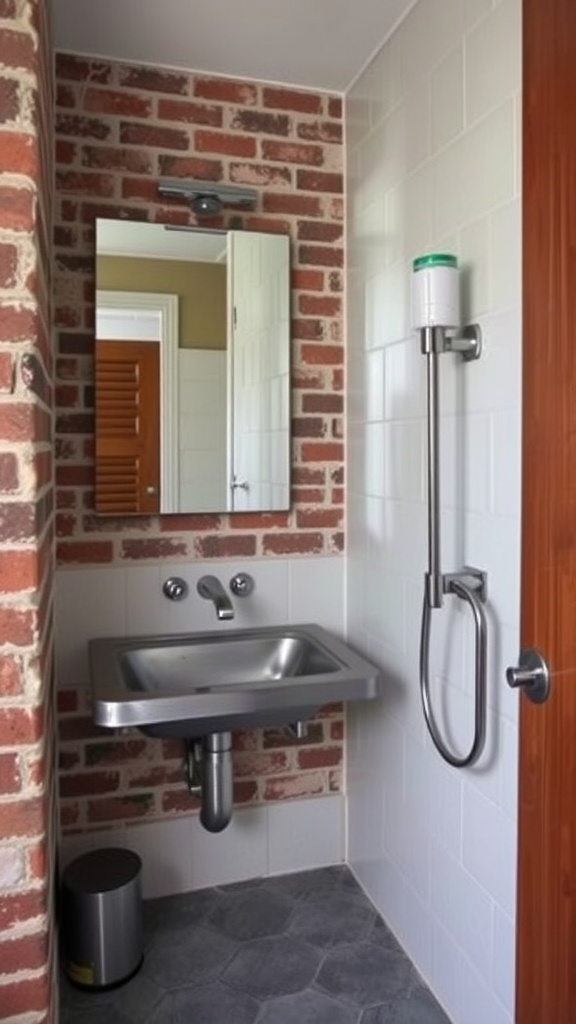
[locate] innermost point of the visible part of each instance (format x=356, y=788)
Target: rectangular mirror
x=192, y=370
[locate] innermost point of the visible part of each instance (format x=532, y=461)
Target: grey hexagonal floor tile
x=364, y=975
x=419, y=1007
x=306, y=1008
x=170, y=913
x=131, y=1002
x=331, y=920
x=188, y=957
x=251, y=914
x=207, y=1004
x=272, y=967
x=381, y=935
x=337, y=879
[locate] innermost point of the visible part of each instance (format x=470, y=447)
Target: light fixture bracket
x=208, y=193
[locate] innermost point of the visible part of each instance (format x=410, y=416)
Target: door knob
x=532, y=675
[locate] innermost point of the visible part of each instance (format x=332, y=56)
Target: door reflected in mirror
x=192, y=370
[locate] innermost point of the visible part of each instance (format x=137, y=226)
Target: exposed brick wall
x=27, y=723
x=108, y=778
x=119, y=128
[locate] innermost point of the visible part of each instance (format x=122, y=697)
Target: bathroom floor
x=307, y=948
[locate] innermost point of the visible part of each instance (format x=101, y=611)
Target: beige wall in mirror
x=192, y=370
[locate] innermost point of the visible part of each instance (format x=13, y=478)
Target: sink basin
x=192, y=684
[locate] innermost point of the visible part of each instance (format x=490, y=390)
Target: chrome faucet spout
x=210, y=588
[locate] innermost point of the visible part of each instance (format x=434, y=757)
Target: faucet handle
x=175, y=588
x=242, y=584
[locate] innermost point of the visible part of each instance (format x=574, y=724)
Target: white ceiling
x=136, y=238
x=316, y=44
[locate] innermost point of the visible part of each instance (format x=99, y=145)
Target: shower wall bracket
x=467, y=342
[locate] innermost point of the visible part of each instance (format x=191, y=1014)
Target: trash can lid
x=102, y=870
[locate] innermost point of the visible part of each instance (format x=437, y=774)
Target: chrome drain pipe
x=209, y=775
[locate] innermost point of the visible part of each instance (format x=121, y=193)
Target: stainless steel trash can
x=102, y=917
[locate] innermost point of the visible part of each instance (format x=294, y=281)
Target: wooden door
x=546, y=925
x=127, y=427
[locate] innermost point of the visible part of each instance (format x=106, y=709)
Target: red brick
x=322, y=451
x=122, y=104
x=10, y=676
x=191, y=167
x=19, y=154
x=69, y=815
x=293, y=543
x=304, y=379
x=281, y=738
x=308, y=426
x=308, y=330
x=307, y=280
x=79, y=728
x=288, y=787
x=28, y=953
x=338, y=496
x=10, y=779
x=259, y=520
x=179, y=800
x=229, y=145
x=18, y=571
x=154, y=776
x=20, y=997
x=82, y=127
x=84, y=551
x=267, y=224
x=260, y=123
x=37, y=861
x=300, y=206
x=219, y=546
x=116, y=752
x=258, y=764
x=18, y=522
x=289, y=99
x=319, y=181
x=335, y=106
x=337, y=730
x=153, y=547
x=151, y=135
x=323, y=403
x=320, y=757
x=319, y=518
x=308, y=495
x=6, y=373
x=84, y=183
x=326, y=355
x=190, y=113
x=112, y=158
x=178, y=523
x=22, y=818
x=17, y=628
x=20, y=908
x=307, y=475
x=319, y=231
x=260, y=174
x=338, y=380
x=9, y=100
x=79, y=69
x=65, y=96
x=7, y=8
x=8, y=265
x=89, y=783
x=320, y=255
x=319, y=305
x=293, y=153
x=153, y=80
x=16, y=208
x=120, y=808
x=320, y=131
x=17, y=49
x=245, y=792
x=226, y=91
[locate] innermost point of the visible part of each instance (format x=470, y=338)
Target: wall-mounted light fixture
x=206, y=198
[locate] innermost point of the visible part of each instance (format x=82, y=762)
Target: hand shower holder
x=466, y=342
x=470, y=584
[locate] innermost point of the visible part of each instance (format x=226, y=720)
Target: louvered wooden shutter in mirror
x=127, y=427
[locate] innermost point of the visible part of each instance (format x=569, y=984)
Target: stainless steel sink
x=192, y=684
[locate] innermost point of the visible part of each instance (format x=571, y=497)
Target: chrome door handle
x=532, y=675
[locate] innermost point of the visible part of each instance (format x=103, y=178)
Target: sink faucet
x=211, y=588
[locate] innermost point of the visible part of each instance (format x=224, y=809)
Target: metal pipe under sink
x=209, y=774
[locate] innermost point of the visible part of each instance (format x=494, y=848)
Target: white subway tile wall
x=433, y=162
